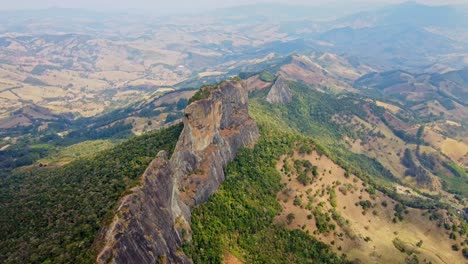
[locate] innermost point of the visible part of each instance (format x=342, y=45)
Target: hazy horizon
x=187, y=5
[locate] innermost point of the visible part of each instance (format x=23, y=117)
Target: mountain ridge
x=216, y=126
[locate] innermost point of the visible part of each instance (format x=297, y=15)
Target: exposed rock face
x=280, y=92
x=144, y=222
x=153, y=222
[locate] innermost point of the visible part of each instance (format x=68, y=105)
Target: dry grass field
x=367, y=234
x=457, y=150
x=85, y=73
x=393, y=108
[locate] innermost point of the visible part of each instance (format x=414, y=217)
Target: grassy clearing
x=456, y=184
x=81, y=150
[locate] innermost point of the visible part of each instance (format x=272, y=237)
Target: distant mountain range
x=408, y=35
x=409, y=14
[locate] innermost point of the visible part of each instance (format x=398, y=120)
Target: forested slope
x=54, y=215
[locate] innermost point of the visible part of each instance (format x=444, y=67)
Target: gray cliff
x=280, y=92
x=153, y=222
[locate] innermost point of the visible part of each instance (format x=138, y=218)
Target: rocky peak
x=214, y=130
x=154, y=220
x=280, y=91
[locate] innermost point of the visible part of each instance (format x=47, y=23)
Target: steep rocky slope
x=152, y=222
x=279, y=92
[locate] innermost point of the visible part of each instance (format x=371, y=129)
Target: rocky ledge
x=153, y=222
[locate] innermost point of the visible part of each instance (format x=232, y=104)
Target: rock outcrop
x=153, y=221
x=280, y=93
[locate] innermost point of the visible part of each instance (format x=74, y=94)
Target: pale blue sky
x=183, y=4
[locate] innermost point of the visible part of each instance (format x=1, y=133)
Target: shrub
x=290, y=218
x=419, y=244
x=465, y=252
x=365, y=204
